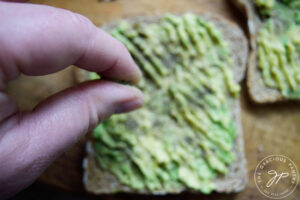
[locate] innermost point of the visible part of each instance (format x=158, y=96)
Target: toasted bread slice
x=98, y=181
x=258, y=91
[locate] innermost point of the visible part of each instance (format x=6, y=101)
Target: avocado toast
x=274, y=63
x=188, y=135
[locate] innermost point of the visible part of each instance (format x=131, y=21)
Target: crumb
x=260, y=148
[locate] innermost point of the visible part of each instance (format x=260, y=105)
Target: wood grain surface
x=271, y=129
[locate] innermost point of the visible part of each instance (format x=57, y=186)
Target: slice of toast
x=98, y=181
x=258, y=91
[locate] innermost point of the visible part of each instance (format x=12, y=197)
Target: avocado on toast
x=188, y=135
x=274, y=62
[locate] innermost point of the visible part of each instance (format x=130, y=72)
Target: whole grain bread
x=258, y=91
x=98, y=181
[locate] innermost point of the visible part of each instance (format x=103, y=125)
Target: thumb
x=29, y=142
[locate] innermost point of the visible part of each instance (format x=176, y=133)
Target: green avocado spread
x=185, y=133
x=279, y=45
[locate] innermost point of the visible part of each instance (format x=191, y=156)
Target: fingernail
x=129, y=106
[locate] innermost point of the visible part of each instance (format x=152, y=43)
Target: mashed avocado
x=185, y=133
x=279, y=46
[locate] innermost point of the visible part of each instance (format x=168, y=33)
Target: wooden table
x=271, y=129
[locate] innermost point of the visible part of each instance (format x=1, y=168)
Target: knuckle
x=78, y=19
x=88, y=100
x=77, y=22
x=71, y=20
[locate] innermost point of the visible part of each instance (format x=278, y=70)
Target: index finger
x=38, y=40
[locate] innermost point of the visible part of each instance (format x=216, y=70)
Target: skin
x=37, y=40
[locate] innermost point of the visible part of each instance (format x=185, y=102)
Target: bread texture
x=98, y=181
x=258, y=91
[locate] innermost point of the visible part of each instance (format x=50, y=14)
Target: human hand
x=39, y=40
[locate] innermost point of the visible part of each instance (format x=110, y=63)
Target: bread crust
x=98, y=181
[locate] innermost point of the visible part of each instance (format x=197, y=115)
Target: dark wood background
x=271, y=129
